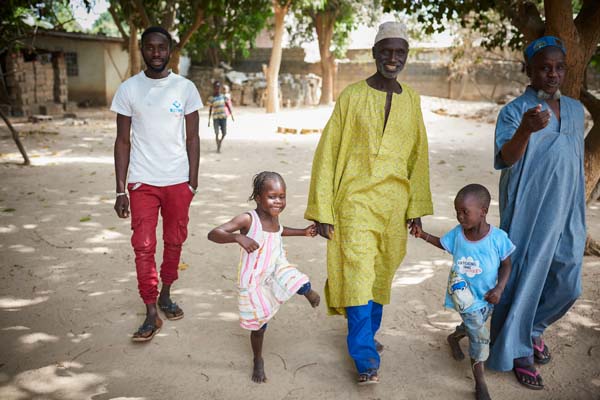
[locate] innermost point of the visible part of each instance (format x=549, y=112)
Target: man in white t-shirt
x=157, y=153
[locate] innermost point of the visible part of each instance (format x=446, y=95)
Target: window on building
x=72, y=66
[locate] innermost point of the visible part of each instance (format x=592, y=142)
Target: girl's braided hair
x=258, y=182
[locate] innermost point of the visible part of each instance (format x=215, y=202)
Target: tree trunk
x=185, y=37
x=16, y=138
x=272, y=104
x=592, y=248
x=592, y=145
x=592, y=161
x=174, y=62
x=213, y=56
x=135, y=63
x=324, y=22
x=572, y=86
x=328, y=72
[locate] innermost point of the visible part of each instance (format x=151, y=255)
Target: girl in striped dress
x=265, y=277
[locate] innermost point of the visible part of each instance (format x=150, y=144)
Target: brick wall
x=37, y=85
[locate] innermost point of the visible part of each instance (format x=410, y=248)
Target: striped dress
x=265, y=277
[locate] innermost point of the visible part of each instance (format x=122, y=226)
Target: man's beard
x=546, y=96
x=380, y=65
x=157, y=69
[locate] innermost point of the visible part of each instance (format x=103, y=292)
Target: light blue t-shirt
x=475, y=267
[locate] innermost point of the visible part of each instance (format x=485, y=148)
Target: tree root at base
x=592, y=247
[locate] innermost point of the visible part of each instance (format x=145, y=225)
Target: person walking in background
x=220, y=109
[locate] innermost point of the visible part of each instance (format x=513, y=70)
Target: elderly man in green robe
x=370, y=178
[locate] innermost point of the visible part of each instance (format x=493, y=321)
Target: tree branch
x=198, y=21
x=283, y=6
x=15, y=137
x=559, y=19
x=115, y=17
x=591, y=103
x=168, y=16
x=587, y=25
x=526, y=18
x=139, y=6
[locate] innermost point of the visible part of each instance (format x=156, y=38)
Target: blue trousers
x=363, y=324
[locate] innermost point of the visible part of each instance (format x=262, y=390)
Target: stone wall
x=36, y=83
x=248, y=88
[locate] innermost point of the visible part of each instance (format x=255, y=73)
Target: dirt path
x=68, y=296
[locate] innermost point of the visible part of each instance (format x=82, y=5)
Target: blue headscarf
x=541, y=43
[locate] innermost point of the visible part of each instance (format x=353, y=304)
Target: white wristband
x=121, y=194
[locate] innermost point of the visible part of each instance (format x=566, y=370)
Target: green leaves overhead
x=345, y=15
x=230, y=29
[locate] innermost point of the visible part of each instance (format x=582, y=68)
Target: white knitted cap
x=391, y=29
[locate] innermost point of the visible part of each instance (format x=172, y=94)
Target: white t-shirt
x=157, y=107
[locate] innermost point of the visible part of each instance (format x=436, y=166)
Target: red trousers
x=174, y=204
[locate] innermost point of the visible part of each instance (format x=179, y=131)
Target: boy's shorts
x=474, y=325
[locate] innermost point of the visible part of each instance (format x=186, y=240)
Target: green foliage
x=491, y=18
x=228, y=26
x=60, y=13
x=230, y=30
x=347, y=16
x=105, y=25
x=484, y=16
x=21, y=18
x=13, y=22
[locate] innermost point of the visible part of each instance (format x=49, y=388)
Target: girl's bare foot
x=313, y=298
x=258, y=374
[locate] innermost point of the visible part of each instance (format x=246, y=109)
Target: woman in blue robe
x=539, y=148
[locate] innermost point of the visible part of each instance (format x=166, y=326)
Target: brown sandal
x=368, y=378
x=147, y=331
x=172, y=311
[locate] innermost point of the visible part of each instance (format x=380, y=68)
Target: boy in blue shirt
x=480, y=270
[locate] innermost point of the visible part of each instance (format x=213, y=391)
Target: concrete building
x=96, y=64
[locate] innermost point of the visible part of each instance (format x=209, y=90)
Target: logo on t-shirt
x=469, y=267
x=176, y=108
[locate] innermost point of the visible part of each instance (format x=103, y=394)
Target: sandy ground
x=69, y=302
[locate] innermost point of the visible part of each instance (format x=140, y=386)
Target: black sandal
x=528, y=378
x=541, y=353
x=172, y=311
